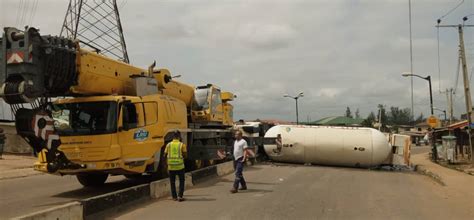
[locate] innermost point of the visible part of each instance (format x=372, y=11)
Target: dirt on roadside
x=14, y=166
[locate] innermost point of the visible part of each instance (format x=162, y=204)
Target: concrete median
x=225, y=168
x=73, y=211
x=161, y=188
x=115, y=200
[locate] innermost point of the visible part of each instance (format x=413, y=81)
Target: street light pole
x=296, y=102
x=431, y=94
x=428, y=78
x=444, y=111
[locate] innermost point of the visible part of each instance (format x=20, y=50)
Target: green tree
x=398, y=116
x=348, y=112
x=420, y=118
x=369, y=121
x=357, y=114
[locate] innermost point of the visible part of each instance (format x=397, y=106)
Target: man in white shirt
x=240, y=155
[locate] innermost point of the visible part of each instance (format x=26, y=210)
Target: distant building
x=339, y=121
x=421, y=127
x=464, y=116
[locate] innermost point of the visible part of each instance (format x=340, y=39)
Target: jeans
x=239, y=177
x=180, y=174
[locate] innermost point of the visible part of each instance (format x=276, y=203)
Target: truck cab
x=115, y=134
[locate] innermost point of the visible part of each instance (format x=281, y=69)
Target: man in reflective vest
x=175, y=152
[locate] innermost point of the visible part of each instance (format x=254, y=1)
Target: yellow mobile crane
x=107, y=117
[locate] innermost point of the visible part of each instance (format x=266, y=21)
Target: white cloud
x=340, y=53
x=266, y=36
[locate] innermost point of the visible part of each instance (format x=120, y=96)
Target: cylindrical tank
x=340, y=146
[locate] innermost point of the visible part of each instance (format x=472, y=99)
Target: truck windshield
x=201, y=99
x=85, y=118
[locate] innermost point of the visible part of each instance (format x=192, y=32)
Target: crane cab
x=210, y=106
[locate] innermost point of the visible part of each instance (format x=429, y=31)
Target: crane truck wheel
x=92, y=179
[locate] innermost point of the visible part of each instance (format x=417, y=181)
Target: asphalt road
x=25, y=195
x=420, y=149
x=314, y=192
x=21, y=196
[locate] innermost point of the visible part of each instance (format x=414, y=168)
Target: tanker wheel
x=92, y=179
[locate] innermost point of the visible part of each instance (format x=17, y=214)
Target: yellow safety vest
x=175, y=156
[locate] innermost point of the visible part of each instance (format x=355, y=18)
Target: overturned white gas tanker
x=339, y=146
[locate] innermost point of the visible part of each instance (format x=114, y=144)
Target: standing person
x=175, y=153
x=278, y=144
x=240, y=155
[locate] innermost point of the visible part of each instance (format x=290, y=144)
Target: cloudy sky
x=339, y=53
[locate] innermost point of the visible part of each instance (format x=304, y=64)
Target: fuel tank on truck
x=339, y=146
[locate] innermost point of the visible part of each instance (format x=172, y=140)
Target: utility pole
x=467, y=89
x=411, y=65
x=450, y=103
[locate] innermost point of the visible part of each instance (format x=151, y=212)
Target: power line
x=33, y=11
x=18, y=13
x=23, y=12
x=449, y=12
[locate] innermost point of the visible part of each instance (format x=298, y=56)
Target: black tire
x=92, y=179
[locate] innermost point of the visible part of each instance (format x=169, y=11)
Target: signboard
x=432, y=121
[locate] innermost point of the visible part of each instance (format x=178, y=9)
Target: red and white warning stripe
x=47, y=132
x=16, y=57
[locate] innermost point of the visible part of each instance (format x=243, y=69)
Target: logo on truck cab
x=140, y=135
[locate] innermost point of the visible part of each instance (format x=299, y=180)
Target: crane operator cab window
x=216, y=100
x=201, y=99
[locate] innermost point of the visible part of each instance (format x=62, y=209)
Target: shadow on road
x=199, y=199
x=248, y=182
x=87, y=192
x=255, y=191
